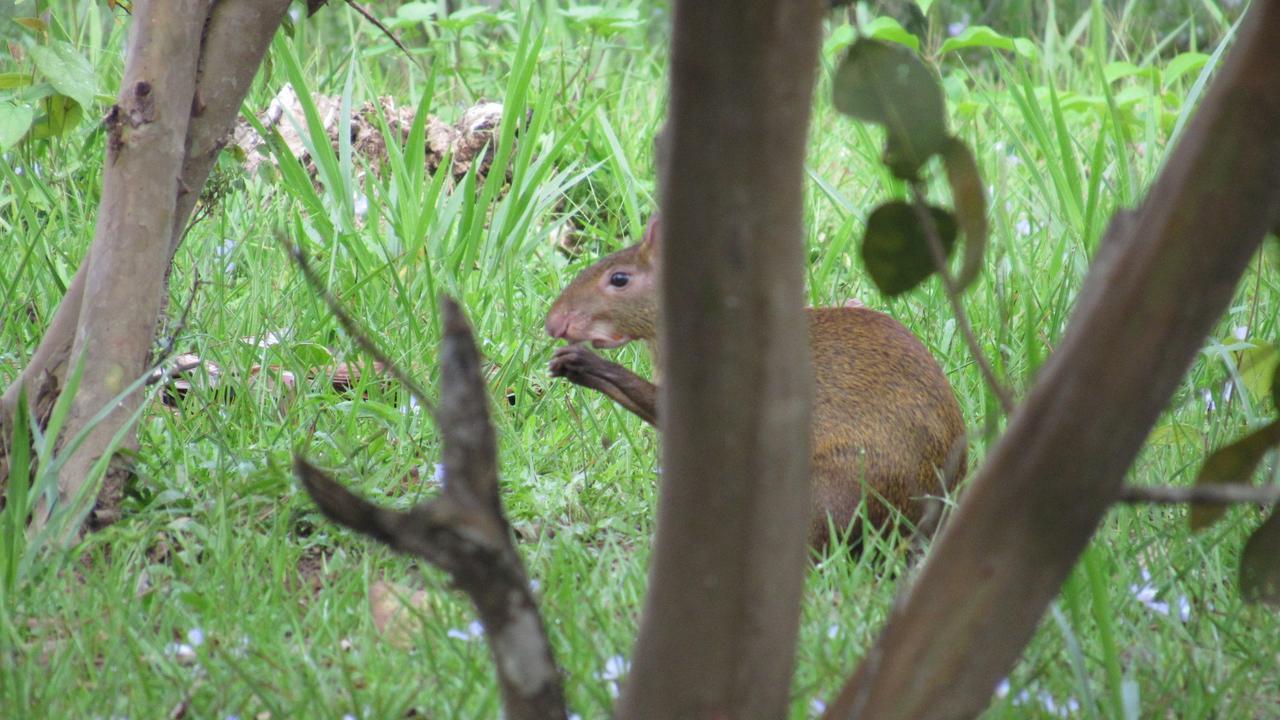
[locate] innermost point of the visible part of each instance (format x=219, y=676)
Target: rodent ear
x=652, y=237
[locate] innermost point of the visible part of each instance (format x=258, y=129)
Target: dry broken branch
x=465, y=532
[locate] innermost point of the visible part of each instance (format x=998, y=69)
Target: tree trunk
x=126, y=264
x=1164, y=275
x=719, y=626
x=197, y=63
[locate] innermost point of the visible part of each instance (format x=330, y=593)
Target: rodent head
x=615, y=300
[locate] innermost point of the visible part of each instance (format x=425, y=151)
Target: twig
x=385, y=30
x=353, y=328
x=181, y=325
x=1225, y=494
x=1003, y=395
x=465, y=532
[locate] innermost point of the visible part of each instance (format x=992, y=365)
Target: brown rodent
x=884, y=413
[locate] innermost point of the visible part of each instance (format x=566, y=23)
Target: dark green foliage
x=888, y=84
x=896, y=249
x=1260, y=564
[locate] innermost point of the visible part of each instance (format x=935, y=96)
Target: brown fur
x=884, y=414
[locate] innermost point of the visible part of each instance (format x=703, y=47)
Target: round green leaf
x=416, y=12
x=11, y=80
x=1182, y=64
x=895, y=249
x=890, y=30
x=840, y=38
x=15, y=120
x=889, y=84
x=309, y=355
x=977, y=36
x=1256, y=365
x=60, y=115
x=1232, y=463
x=68, y=72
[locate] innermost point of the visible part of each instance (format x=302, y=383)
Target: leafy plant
x=888, y=84
x=50, y=97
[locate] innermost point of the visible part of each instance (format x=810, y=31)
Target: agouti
x=885, y=417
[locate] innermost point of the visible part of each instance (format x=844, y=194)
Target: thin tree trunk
x=127, y=260
x=231, y=39
x=1163, y=277
x=235, y=42
x=719, y=627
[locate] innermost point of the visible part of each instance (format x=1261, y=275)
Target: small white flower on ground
x=958, y=26
x=473, y=631
x=1023, y=227
x=817, y=707
x=412, y=407
x=1146, y=594
x=1240, y=332
x=833, y=631
x=195, y=636
x=615, y=667
x=182, y=653
x=1184, y=608
x=1002, y=689
x=1047, y=702
x=1208, y=400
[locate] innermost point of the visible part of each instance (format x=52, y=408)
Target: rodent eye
x=619, y=279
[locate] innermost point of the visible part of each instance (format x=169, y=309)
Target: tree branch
x=1230, y=494
x=953, y=292
x=1161, y=279
x=236, y=38
x=465, y=532
x=373, y=19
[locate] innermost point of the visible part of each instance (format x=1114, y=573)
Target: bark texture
x=126, y=264
x=465, y=532
x=1163, y=276
x=235, y=42
x=719, y=626
x=192, y=97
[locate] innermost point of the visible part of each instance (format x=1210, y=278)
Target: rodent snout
x=558, y=324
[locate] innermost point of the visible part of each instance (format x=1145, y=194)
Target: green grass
x=219, y=545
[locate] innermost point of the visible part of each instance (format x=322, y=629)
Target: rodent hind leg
x=580, y=366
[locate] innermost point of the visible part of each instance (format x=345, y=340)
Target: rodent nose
x=557, y=324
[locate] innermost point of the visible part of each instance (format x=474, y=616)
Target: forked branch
x=465, y=532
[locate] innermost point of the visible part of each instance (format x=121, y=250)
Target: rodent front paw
x=572, y=362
